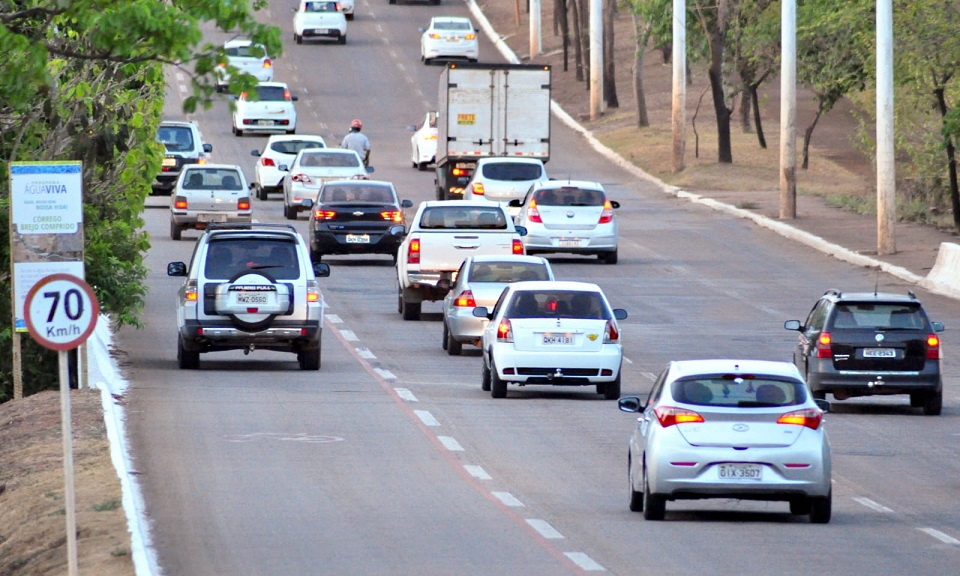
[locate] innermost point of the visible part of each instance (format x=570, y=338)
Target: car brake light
x=505, y=331
x=324, y=214
x=267, y=161
x=465, y=299
x=809, y=417
x=190, y=292
x=670, y=415
x=434, y=35
x=413, y=254
x=180, y=203
x=243, y=204
x=201, y=161
x=478, y=188
x=313, y=291
x=933, y=347
x=611, y=335
x=286, y=95
x=607, y=215
x=517, y=247
x=470, y=36
x=430, y=137
x=302, y=178
x=392, y=215
x=533, y=214
x=823, y=345
x=267, y=63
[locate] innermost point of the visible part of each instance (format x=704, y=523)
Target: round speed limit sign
x=61, y=311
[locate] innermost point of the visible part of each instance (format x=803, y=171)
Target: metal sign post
x=61, y=312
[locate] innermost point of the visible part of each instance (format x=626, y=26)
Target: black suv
x=184, y=145
x=862, y=344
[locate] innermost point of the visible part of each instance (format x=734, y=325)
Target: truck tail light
x=809, y=417
x=533, y=214
x=823, y=345
x=611, y=335
x=517, y=247
x=243, y=204
x=413, y=254
x=313, y=291
x=505, y=331
x=180, y=203
x=477, y=188
x=933, y=347
x=461, y=172
x=465, y=300
x=301, y=178
x=607, y=215
x=392, y=215
x=670, y=415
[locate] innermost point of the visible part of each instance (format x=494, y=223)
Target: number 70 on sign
x=61, y=311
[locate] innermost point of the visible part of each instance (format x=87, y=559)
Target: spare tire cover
x=253, y=282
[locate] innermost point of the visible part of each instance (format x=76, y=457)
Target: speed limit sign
x=61, y=311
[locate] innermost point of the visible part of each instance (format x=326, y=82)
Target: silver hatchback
x=745, y=429
x=206, y=194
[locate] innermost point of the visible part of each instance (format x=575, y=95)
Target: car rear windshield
x=270, y=94
x=739, y=390
x=871, y=315
x=452, y=25
x=212, y=179
x=293, y=146
x=329, y=160
x=507, y=271
x=321, y=7
x=453, y=218
x=364, y=193
x=571, y=197
x=176, y=138
x=276, y=257
x=249, y=51
x=558, y=304
x=511, y=171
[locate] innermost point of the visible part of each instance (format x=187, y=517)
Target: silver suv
x=184, y=145
x=248, y=287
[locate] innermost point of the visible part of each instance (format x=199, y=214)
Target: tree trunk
x=561, y=10
x=951, y=162
x=755, y=98
x=642, y=35
x=584, y=7
x=609, y=68
x=577, y=44
x=807, y=136
x=717, y=38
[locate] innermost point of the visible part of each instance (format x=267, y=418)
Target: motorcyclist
x=357, y=141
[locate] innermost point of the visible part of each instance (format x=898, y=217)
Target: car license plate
x=358, y=238
x=211, y=217
x=879, y=353
x=265, y=122
x=246, y=298
x=169, y=161
x=740, y=472
x=557, y=339
x=569, y=242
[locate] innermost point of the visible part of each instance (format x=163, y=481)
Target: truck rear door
x=448, y=234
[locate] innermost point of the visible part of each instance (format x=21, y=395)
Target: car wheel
x=391, y=1
x=454, y=347
x=654, y=507
x=342, y=39
x=818, y=394
x=422, y=166
x=800, y=506
x=394, y=256
x=297, y=38
x=608, y=257
x=399, y=300
x=289, y=212
x=446, y=334
x=636, y=498
x=294, y=131
x=498, y=387
x=484, y=377
x=933, y=404
x=821, y=508
x=174, y=231
x=237, y=132
x=410, y=310
x=186, y=360
x=611, y=390
x=309, y=359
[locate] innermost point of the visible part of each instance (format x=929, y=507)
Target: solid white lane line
x=586, y=563
x=385, y=374
x=940, y=536
x=405, y=394
x=426, y=417
x=872, y=505
x=508, y=499
x=477, y=472
x=365, y=353
x=544, y=529
x=450, y=444
x=349, y=336
x=334, y=319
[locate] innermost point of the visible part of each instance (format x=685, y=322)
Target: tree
x=609, y=68
x=714, y=20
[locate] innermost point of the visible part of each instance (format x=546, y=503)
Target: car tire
x=800, y=506
x=309, y=359
x=289, y=212
x=186, y=360
x=453, y=347
x=654, y=507
x=294, y=131
x=818, y=394
x=237, y=132
x=391, y=1
x=611, y=390
x=297, y=38
x=636, y=498
x=342, y=39
x=484, y=377
x=446, y=334
x=174, y=231
x=259, y=192
x=608, y=257
x=821, y=509
x=933, y=403
x=498, y=387
x=410, y=310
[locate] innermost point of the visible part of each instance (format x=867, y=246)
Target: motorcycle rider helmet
x=356, y=125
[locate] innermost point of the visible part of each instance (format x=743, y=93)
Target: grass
x=107, y=506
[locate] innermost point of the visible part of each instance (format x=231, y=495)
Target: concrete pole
x=886, y=173
x=788, y=110
x=596, y=58
x=679, y=117
x=535, y=38
x=69, y=495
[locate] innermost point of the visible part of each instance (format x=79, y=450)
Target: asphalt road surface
x=391, y=460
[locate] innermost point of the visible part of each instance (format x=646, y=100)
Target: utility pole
x=535, y=43
x=679, y=116
x=788, y=110
x=886, y=173
x=596, y=58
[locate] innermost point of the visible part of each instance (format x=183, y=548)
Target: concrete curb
x=937, y=284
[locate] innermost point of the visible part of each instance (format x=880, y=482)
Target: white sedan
x=504, y=179
x=280, y=149
x=745, y=429
x=319, y=19
x=310, y=169
x=552, y=333
x=449, y=37
x=244, y=56
x=269, y=110
x=423, y=143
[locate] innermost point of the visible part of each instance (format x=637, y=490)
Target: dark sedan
x=356, y=217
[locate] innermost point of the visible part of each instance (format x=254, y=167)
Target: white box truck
x=489, y=110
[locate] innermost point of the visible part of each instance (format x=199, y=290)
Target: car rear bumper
x=193, y=219
x=464, y=326
x=861, y=383
x=222, y=335
x=323, y=32
x=337, y=243
x=540, y=242
x=567, y=368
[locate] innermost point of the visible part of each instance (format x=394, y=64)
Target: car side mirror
x=823, y=405
x=294, y=98
x=176, y=269
x=306, y=203
x=481, y=312
x=398, y=231
x=411, y=128
x=207, y=148
x=619, y=313
x=406, y=204
x=252, y=186
x=938, y=326
x=369, y=169
x=421, y=29
x=521, y=230
x=283, y=168
x=614, y=204
x=321, y=269
x=629, y=404
x=255, y=153
x=515, y=203
x=792, y=325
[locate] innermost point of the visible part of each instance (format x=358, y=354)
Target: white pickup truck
x=441, y=236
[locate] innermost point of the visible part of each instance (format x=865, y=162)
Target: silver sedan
x=480, y=281
x=745, y=429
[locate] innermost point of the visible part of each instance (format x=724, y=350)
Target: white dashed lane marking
x=508, y=499
x=334, y=319
x=349, y=336
x=365, y=353
x=946, y=539
x=450, y=444
x=385, y=374
x=586, y=563
x=426, y=417
x=477, y=472
x=872, y=505
x=405, y=394
x=544, y=529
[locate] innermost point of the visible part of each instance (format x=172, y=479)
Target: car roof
x=555, y=285
x=871, y=296
x=557, y=184
x=460, y=203
x=509, y=258
x=327, y=151
x=214, y=166
x=237, y=42
x=450, y=19
x=358, y=182
x=681, y=368
x=294, y=137
x=273, y=84
x=509, y=160
x=179, y=123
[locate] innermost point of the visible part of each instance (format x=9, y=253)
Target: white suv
x=249, y=287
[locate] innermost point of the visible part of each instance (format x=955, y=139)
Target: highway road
x=391, y=460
